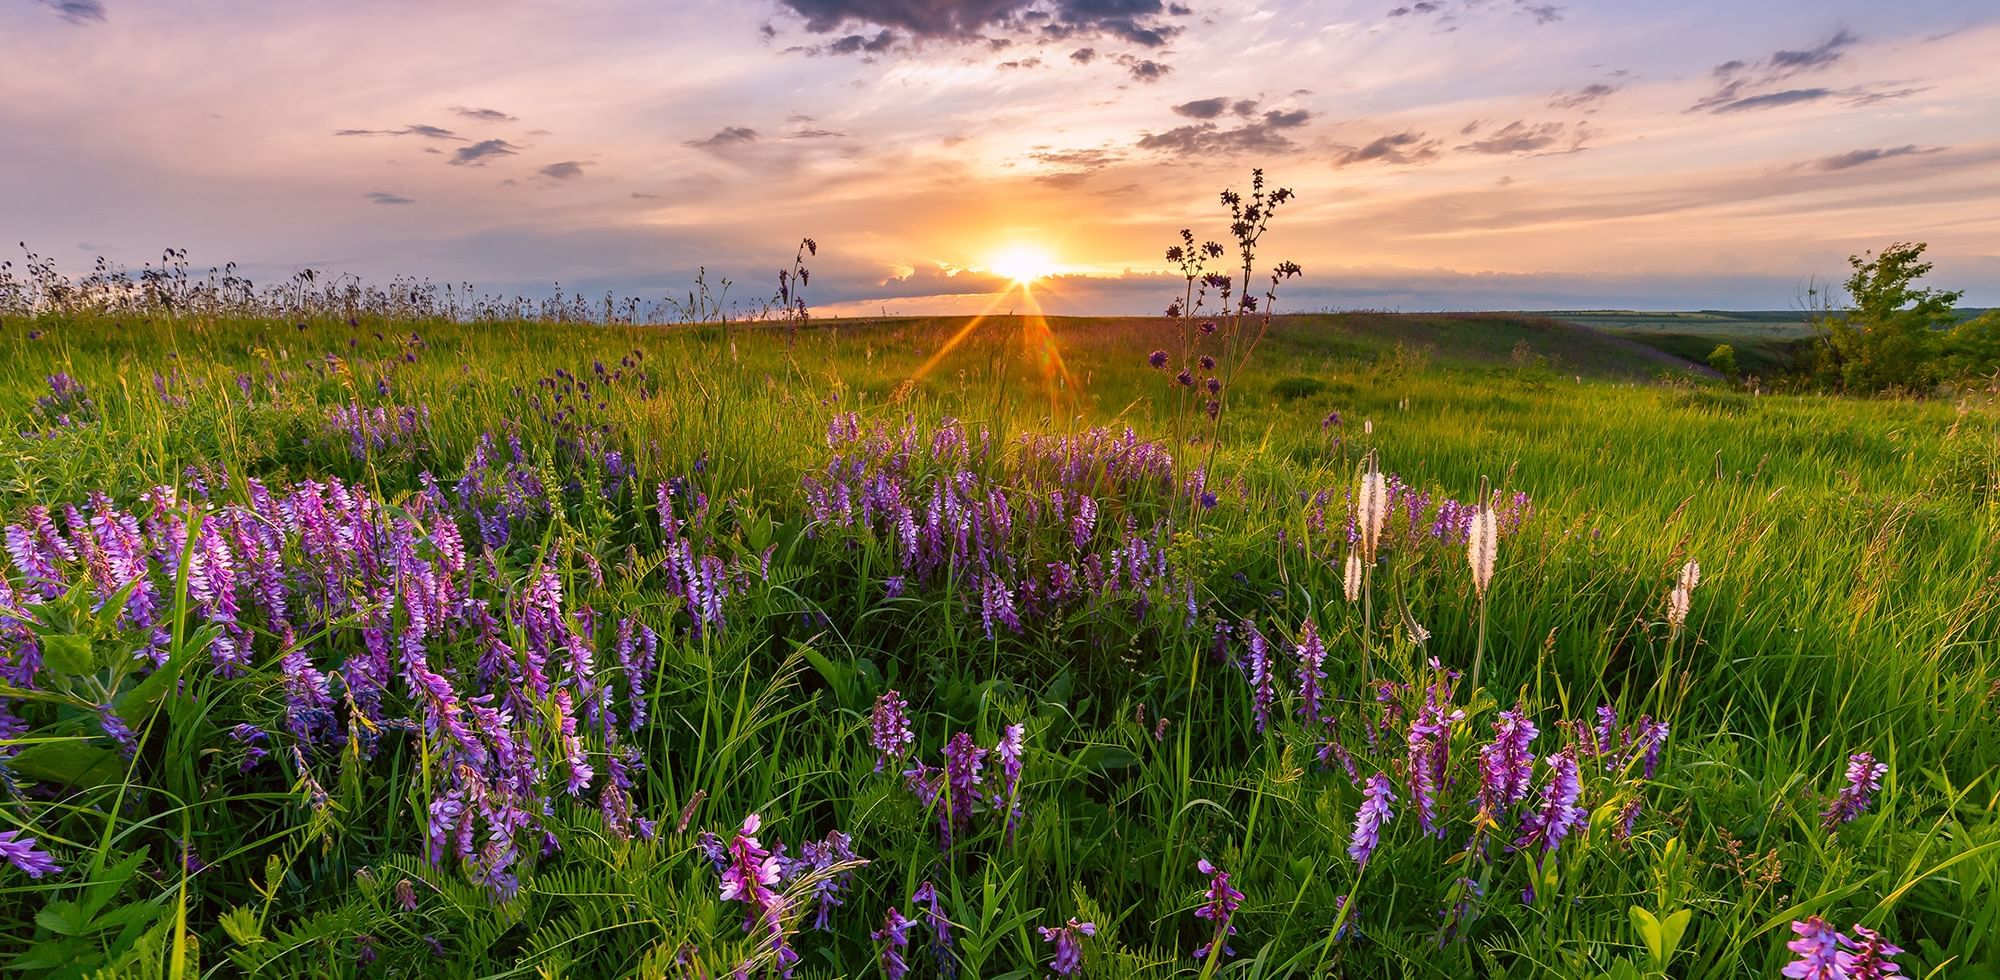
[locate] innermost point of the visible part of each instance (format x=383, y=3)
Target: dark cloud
x=77, y=11
x=642, y=196
x=1405, y=147
x=815, y=134
x=1141, y=22
x=565, y=170
x=384, y=197
x=1742, y=85
x=1521, y=137
x=1264, y=135
x=483, y=115
x=1543, y=13
x=1771, y=100
x=478, y=153
x=1022, y=63
x=1825, y=53
x=1445, y=11
x=1144, y=69
x=1855, y=158
x=1083, y=56
x=1245, y=107
x=727, y=136
x=1585, y=96
x=862, y=44
x=414, y=129
x=1203, y=108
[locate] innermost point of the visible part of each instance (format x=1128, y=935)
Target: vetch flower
x=1864, y=778
x=889, y=730
x=1312, y=657
x=1818, y=949
x=22, y=853
x=1873, y=957
x=1068, y=960
x=895, y=938
x=1558, y=813
x=1368, y=820
x=1218, y=905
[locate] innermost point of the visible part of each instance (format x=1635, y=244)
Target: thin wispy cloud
x=726, y=137
x=77, y=11
x=478, y=154
x=384, y=197
x=1856, y=158
x=565, y=170
x=417, y=129
x=483, y=115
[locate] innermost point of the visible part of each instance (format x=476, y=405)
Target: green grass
x=1850, y=600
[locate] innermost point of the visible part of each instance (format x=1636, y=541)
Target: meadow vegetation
x=383, y=633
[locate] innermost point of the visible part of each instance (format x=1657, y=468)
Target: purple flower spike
x=1068, y=960
x=1818, y=949
x=1218, y=905
x=1864, y=778
x=1369, y=819
x=895, y=939
x=1872, y=958
x=889, y=730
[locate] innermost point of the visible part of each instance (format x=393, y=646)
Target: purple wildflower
x=1864, y=777
x=962, y=763
x=1218, y=905
x=1872, y=956
x=1506, y=765
x=1558, y=813
x=1818, y=949
x=22, y=853
x=895, y=938
x=1158, y=360
x=1368, y=820
x=939, y=926
x=1312, y=657
x=1263, y=689
x=889, y=730
x=1068, y=960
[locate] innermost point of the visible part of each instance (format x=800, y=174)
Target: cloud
x=483, y=115
x=565, y=170
x=1585, y=96
x=414, y=129
x=1742, y=85
x=77, y=11
x=1141, y=22
x=1074, y=166
x=1022, y=63
x=1264, y=135
x=725, y=137
x=478, y=153
x=815, y=134
x=1855, y=158
x=1083, y=56
x=862, y=44
x=1404, y=147
x=1144, y=69
x=1520, y=137
x=384, y=197
x=1203, y=108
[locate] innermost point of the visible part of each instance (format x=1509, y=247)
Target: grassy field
x=471, y=648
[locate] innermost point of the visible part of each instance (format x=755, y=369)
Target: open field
x=471, y=647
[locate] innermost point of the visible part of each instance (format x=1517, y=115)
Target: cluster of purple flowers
x=1826, y=954
x=373, y=430
x=380, y=589
x=1218, y=906
x=1068, y=959
x=1864, y=779
x=1020, y=535
x=956, y=791
x=759, y=878
x=66, y=406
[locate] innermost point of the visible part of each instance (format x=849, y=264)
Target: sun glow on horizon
x=1022, y=263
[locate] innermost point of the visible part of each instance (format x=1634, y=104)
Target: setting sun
x=1022, y=263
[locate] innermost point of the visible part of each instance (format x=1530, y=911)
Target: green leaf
x=77, y=764
x=1649, y=933
x=63, y=918
x=1104, y=758
x=241, y=925
x=68, y=653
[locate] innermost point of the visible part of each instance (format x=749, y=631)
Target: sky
x=1445, y=154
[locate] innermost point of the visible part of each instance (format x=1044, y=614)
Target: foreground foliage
x=360, y=646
